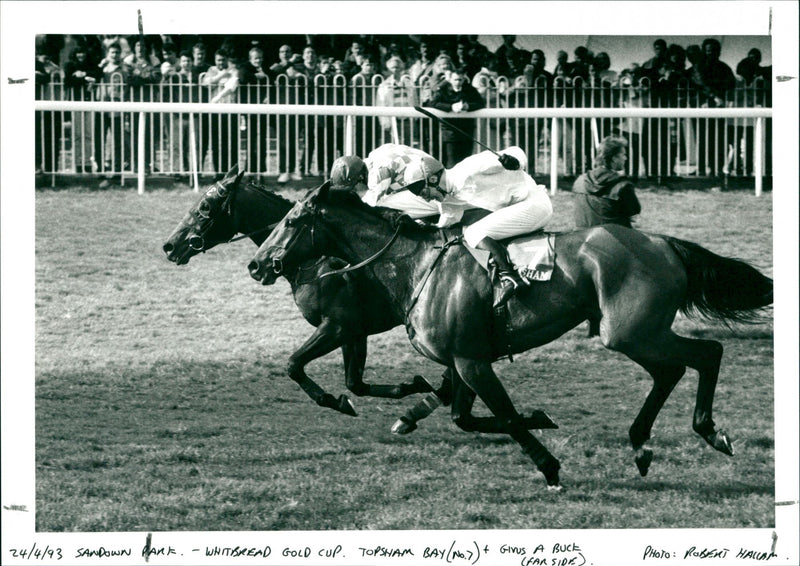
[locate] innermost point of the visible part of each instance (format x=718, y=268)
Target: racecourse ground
x=162, y=401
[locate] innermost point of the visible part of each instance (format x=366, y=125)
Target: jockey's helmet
x=426, y=169
x=348, y=172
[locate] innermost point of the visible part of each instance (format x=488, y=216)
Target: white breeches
x=519, y=218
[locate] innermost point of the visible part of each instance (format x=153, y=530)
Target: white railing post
x=554, y=133
x=349, y=136
x=758, y=164
x=193, y=153
x=140, y=137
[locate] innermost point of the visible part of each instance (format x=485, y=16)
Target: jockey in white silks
x=410, y=180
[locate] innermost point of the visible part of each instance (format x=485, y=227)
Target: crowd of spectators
x=452, y=73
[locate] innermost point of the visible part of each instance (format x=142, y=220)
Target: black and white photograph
x=400, y=283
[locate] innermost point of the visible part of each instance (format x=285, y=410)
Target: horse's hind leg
x=666, y=360
x=355, y=358
x=480, y=377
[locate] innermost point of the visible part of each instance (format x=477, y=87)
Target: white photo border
x=22, y=20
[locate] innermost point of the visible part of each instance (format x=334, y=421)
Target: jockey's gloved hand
x=508, y=161
x=404, y=220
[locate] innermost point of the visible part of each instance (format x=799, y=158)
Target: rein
x=254, y=232
x=360, y=264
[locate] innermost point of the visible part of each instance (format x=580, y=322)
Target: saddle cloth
x=532, y=255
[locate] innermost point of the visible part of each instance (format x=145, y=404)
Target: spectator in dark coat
x=114, y=85
x=466, y=61
x=511, y=60
x=580, y=67
x=717, y=76
x=199, y=63
x=253, y=82
x=603, y=194
x=652, y=67
x=716, y=80
x=457, y=96
x=143, y=81
x=750, y=67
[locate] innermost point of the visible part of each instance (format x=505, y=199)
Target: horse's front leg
x=461, y=413
x=355, y=358
x=480, y=377
x=463, y=398
x=428, y=404
x=665, y=378
x=326, y=338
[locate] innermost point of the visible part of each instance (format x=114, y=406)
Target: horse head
x=294, y=240
x=209, y=222
x=326, y=222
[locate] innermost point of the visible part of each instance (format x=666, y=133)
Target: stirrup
x=508, y=276
x=503, y=291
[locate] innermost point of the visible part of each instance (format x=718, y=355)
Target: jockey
x=389, y=186
x=410, y=180
x=517, y=204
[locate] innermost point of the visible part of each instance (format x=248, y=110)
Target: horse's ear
x=233, y=172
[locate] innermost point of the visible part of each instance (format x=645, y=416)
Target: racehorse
x=633, y=282
x=345, y=308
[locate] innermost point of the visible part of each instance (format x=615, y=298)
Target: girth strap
x=421, y=285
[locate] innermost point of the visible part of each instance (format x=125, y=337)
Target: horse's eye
x=204, y=209
x=222, y=190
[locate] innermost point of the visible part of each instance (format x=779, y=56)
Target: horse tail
x=721, y=288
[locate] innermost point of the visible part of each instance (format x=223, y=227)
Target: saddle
x=532, y=255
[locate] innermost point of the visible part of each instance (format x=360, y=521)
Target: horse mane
x=391, y=216
x=267, y=192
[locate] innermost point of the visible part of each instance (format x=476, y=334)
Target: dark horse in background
x=633, y=282
x=345, y=308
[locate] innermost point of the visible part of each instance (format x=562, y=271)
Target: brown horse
x=634, y=282
x=345, y=309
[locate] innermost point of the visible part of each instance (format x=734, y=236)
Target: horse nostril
x=168, y=248
x=253, y=268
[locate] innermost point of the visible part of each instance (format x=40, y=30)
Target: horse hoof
x=422, y=385
x=554, y=488
x=643, y=459
x=402, y=426
x=539, y=420
x=721, y=442
x=346, y=406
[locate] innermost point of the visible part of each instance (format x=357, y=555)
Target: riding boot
x=508, y=279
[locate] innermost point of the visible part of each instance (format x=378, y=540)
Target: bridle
x=203, y=218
